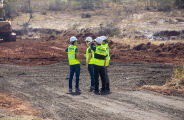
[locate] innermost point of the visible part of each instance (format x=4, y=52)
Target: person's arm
x=90, y=56
x=77, y=54
x=66, y=50
x=105, y=62
x=105, y=59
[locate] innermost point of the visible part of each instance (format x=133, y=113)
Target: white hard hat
x=89, y=39
x=73, y=38
x=98, y=40
x=103, y=38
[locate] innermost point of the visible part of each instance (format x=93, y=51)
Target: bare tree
x=30, y=10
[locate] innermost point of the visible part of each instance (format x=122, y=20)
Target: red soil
x=45, y=51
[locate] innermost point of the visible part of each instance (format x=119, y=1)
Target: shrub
x=57, y=5
x=178, y=78
x=86, y=15
x=11, y=8
x=110, y=29
x=179, y=4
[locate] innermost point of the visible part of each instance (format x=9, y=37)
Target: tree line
x=15, y=6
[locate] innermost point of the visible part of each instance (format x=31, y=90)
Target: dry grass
x=134, y=42
x=175, y=86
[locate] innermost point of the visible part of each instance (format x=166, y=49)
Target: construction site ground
x=46, y=87
x=34, y=70
x=41, y=88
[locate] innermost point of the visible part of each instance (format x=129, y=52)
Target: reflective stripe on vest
x=100, y=50
x=108, y=56
x=71, y=55
x=87, y=56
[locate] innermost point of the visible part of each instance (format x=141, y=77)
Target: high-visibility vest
x=72, y=56
x=108, y=56
x=92, y=56
x=100, y=50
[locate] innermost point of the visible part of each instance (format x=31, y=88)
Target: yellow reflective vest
x=108, y=56
x=100, y=51
x=87, y=56
x=72, y=56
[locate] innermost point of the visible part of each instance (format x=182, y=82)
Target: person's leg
x=71, y=77
x=77, y=70
x=91, y=72
x=107, y=86
x=103, y=80
x=96, y=76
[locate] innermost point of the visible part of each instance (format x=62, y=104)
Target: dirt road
x=46, y=86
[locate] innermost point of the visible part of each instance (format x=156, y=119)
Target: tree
x=179, y=4
x=29, y=7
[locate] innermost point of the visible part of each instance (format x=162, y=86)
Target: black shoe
x=78, y=91
x=108, y=91
x=91, y=89
x=96, y=92
x=102, y=91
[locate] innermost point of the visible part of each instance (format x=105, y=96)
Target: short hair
x=72, y=43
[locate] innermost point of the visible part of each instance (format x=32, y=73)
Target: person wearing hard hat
x=73, y=57
x=90, y=61
x=99, y=65
x=105, y=44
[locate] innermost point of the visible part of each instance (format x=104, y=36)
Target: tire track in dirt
x=46, y=86
x=128, y=105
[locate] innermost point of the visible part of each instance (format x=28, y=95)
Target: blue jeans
x=91, y=72
x=74, y=69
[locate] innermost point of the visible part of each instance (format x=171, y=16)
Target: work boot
x=96, y=93
x=70, y=91
x=77, y=90
x=91, y=89
x=102, y=91
x=108, y=91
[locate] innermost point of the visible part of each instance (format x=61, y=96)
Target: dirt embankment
x=150, y=53
x=50, y=49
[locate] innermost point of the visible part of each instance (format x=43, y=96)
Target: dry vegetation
x=15, y=6
x=173, y=87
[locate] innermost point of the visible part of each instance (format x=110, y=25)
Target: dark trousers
x=91, y=72
x=74, y=69
x=107, y=85
x=99, y=71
